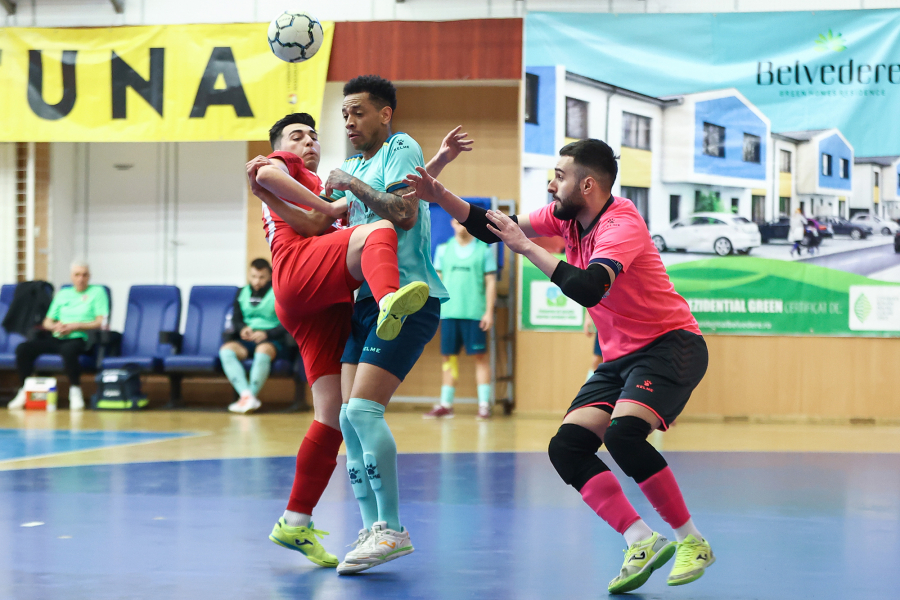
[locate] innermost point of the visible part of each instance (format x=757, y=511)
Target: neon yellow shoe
x=303, y=540
x=691, y=561
x=405, y=301
x=641, y=559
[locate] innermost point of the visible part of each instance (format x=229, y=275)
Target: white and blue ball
x=295, y=37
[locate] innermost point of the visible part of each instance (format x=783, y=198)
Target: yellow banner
x=159, y=83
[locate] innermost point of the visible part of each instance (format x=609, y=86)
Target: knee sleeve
x=626, y=440
x=573, y=452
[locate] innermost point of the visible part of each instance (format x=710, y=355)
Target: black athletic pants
x=28, y=352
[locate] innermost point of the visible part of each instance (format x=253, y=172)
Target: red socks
x=379, y=262
x=664, y=494
x=604, y=495
x=316, y=461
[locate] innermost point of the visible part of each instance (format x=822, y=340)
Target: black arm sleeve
x=584, y=286
x=477, y=224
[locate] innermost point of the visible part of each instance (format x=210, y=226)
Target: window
x=700, y=221
x=635, y=131
x=532, y=82
x=845, y=168
x=751, y=148
x=735, y=203
x=785, y=161
x=842, y=207
x=708, y=202
x=758, y=208
x=784, y=206
x=826, y=165
x=674, y=208
x=713, y=140
x=876, y=178
x=576, y=118
x=641, y=199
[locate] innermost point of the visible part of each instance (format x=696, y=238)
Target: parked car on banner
x=721, y=233
x=876, y=223
x=779, y=230
x=857, y=231
x=897, y=242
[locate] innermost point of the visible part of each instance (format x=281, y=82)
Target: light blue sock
x=380, y=454
x=234, y=370
x=259, y=372
x=447, y=394
x=484, y=394
x=368, y=504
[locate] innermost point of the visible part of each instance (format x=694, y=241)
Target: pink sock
x=605, y=497
x=664, y=494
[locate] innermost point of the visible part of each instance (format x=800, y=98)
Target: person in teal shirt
x=73, y=312
x=468, y=268
x=256, y=332
x=373, y=184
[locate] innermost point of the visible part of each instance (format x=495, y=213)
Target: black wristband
x=477, y=223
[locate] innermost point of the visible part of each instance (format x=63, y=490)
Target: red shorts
x=314, y=298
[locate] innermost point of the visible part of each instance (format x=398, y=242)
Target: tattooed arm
x=392, y=206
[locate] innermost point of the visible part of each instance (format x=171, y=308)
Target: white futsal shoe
x=383, y=545
x=347, y=567
x=17, y=403
x=246, y=404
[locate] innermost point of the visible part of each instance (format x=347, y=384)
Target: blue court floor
x=29, y=443
x=499, y=526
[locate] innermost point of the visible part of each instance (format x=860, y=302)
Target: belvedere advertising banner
x=762, y=149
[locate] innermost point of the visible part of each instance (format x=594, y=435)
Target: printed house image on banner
x=815, y=172
x=876, y=186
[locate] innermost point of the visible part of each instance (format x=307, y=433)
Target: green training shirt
x=259, y=313
x=463, y=269
x=70, y=306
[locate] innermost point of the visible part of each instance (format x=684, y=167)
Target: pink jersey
x=642, y=303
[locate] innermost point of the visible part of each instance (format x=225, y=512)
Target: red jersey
x=279, y=233
x=642, y=303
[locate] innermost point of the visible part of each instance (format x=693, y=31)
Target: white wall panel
x=7, y=212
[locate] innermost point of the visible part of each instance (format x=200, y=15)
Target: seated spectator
x=257, y=332
x=73, y=312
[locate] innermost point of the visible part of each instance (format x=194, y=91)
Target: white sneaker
x=76, y=399
x=362, y=539
x=383, y=545
x=246, y=404
x=17, y=403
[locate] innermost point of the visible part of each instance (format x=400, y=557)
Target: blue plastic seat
x=8, y=341
x=54, y=362
x=152, y=309
x=207, y=309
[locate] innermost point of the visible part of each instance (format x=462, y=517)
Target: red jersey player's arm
x=276, y=179
x=308, y=223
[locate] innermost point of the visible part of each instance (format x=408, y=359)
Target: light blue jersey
x=385, y=172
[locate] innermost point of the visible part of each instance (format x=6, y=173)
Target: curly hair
x=380, y=90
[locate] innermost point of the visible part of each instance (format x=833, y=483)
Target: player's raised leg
x=372, y=255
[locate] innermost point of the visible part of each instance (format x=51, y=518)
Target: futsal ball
x=295, y=37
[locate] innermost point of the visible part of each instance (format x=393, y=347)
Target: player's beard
x=568, y=208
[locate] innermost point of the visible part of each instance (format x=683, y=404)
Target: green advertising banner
x=542, y=305
x=744, y=295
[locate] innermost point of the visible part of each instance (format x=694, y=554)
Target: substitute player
x=316, y=268
x=468, y=269
x=372, y=182
x=653, y=351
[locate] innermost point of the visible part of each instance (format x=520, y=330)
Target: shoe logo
x=646, y=386
x=702, y=557
x=372, y=472
x=354, y=476
x=390, y=545
x=303, y=543
x=640, y=556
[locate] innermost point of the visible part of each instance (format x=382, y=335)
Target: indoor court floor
x=168, y=505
